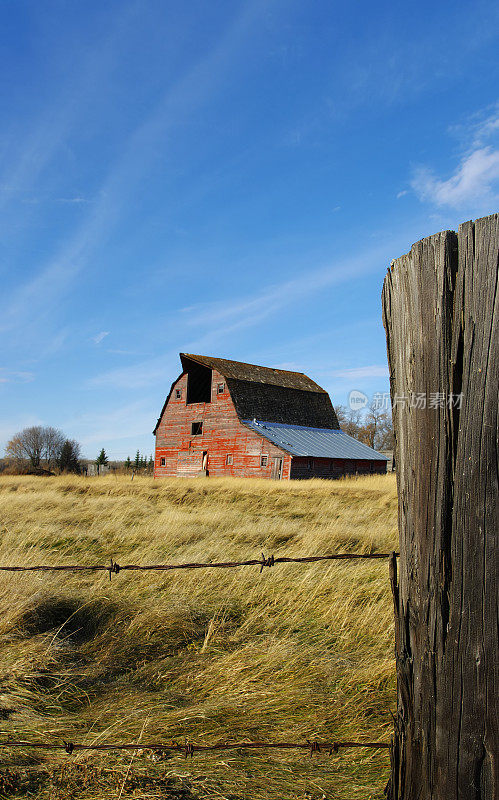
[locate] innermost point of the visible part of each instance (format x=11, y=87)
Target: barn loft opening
x=198, y=383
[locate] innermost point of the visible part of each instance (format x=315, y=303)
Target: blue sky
x=225, y=178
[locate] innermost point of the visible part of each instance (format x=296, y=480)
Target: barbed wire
x=114, y=568
x=189, y=748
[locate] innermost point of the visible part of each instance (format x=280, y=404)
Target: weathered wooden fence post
x=441, y=316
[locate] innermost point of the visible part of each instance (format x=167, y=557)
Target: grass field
x=300, y=651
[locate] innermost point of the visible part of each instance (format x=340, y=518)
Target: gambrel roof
x=275, y=395
x=239, y=370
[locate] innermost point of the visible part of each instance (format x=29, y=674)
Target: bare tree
x=36, y=444
x=375, y=429
x=27, y=444
x=54, y=442
x=349, y=420
x=385, y=439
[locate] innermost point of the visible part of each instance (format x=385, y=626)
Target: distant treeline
x=44, y=450
x=140, y=461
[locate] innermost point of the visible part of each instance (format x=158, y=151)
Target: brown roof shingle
x=241, y=371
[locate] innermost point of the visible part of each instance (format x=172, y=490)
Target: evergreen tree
x=137, y=460
x=69, y=458
x=128, y=463
x=101, y=459
x=151, y=464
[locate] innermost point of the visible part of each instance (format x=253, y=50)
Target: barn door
x=276, y=472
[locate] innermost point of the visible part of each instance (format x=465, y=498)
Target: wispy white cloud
x=45, y=290
x=475, y=181
x=77, y=200
x=146, y=373
x=11, y=376
x=122, y=352
x=488, y=128
x=100, y=336
x=95, y=429
x=236, y=313
x=478, y=128
x=216, y=321
x=292, y=366
x=50, y=131
x=34, y=200
x=370, y=371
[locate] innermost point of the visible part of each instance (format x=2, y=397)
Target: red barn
x=229, y=418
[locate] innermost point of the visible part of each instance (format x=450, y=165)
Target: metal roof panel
x=314, y=442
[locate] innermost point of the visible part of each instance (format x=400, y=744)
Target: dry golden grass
x=297, y=652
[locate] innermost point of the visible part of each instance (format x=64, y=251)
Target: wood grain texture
x=441, y=316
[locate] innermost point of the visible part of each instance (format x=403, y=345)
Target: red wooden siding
x=303, y=467
x=223, y=434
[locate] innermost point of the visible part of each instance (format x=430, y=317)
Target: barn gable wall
x=222, y=435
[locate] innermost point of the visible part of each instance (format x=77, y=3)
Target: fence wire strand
x=114, y=568
x=189, y=748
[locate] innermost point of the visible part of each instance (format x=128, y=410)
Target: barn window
x=178, y=393
x=162, y=462
x=198, y=384
x=196, y=428
x=220, y=388
x=264, y=460
x=229, y=459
